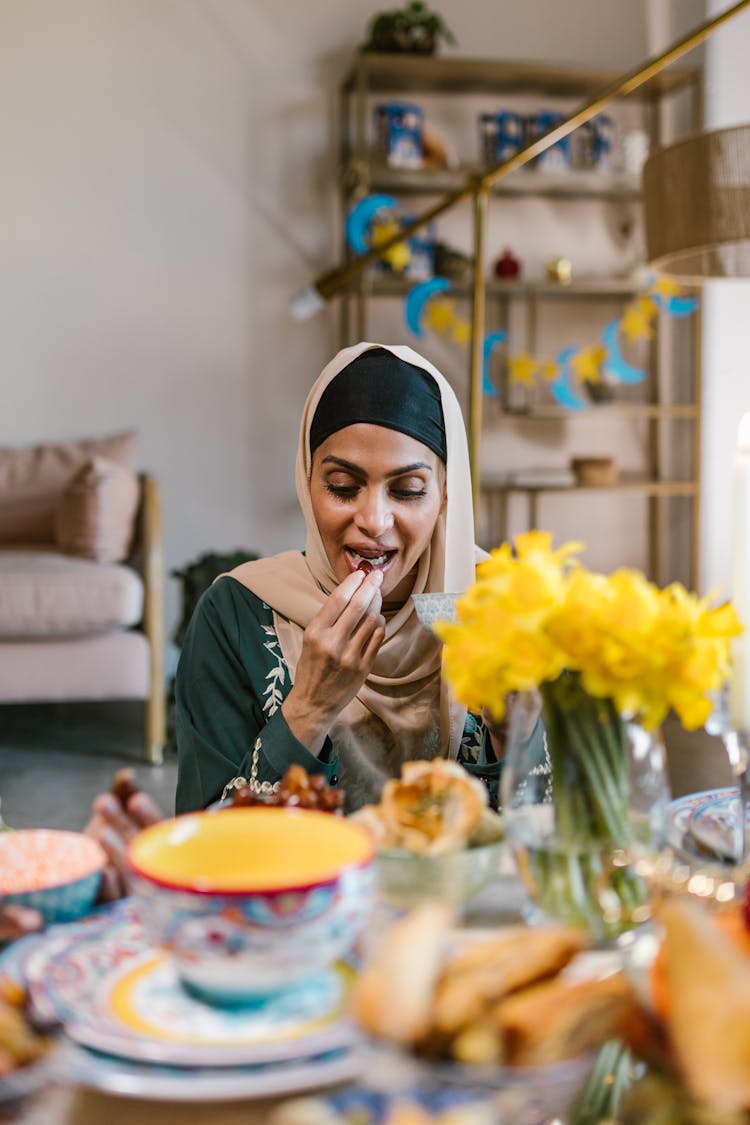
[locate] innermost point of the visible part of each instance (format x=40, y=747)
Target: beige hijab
x=403, y=709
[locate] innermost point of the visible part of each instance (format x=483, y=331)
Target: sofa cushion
x=33, y=478
x=112, y=666
x=46, y=594
x=95, y=515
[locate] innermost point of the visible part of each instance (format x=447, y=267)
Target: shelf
x=566, y=184
x=380, y=72
x=626, y=483
x=605, y=287
x=658, y=439
x=600, y=411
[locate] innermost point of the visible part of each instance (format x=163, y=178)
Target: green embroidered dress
x=231, y=682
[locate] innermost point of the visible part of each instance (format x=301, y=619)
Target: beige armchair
x=78, y=628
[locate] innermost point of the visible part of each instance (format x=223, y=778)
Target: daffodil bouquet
x=601, y=650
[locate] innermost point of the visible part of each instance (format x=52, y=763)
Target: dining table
x=501, y=902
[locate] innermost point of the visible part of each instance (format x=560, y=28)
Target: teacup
x=253, y=901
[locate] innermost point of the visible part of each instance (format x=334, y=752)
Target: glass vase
x=585, y=797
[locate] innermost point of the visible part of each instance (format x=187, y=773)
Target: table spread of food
x=274, y=952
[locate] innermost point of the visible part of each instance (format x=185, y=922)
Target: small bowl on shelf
x=594, y=472
x=253, y=901
x=50, y=870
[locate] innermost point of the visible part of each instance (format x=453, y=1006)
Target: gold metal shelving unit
x=362, y=174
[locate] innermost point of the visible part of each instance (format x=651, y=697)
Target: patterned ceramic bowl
x=251, y=901
x=435, y=607
x=55, y=872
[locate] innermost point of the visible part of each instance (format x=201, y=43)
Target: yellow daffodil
x=535, y=612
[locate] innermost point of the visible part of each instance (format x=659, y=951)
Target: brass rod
x=329, y=283
x=476, y=372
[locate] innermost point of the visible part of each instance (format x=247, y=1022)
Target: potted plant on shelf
x=413, y=29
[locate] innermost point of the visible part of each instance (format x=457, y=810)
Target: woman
x=304, y=657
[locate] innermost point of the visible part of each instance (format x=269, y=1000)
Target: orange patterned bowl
x=55, y=872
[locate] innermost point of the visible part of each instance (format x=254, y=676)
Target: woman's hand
x=114, y=825
x=17, y=922
x=338, y=650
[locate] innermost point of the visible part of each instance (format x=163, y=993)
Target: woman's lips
x=368, y=561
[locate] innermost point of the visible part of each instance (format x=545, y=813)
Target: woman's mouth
x=379, y=561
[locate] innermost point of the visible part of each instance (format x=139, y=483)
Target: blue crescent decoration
x=614, y=364
x=561, y=388
x=359, y=218
x=417, y=298
x=490, y=342
x=676, y=306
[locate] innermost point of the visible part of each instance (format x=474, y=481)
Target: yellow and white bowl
x=250, y=901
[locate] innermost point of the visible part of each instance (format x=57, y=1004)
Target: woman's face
x=376, y=495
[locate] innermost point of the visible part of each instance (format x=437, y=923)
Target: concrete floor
x=55, y=758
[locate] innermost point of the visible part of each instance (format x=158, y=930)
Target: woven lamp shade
x=697, y=206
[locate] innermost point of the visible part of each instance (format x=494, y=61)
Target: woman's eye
x=343, y=491
x=409, y=493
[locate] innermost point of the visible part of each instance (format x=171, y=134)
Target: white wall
x=167, y=181
x=726, y=336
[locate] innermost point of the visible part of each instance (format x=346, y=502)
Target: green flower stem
x=587, y=747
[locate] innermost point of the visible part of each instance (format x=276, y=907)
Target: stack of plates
x=133, y=1030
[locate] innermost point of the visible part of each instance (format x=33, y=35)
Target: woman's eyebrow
x=401, y=472
x=406, y=469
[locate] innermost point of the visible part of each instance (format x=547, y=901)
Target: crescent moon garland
x=426, y=305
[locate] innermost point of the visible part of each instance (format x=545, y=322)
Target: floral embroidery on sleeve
x=276, y=678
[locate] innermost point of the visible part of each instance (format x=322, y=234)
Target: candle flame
x=743, y=434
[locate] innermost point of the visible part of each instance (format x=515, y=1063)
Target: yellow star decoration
x=440, y=314
x=398, y=256
x=665, y=287
x=587, y=363
x=522, y=369
x=636, y=323
x=636, y=320
x=461, y=332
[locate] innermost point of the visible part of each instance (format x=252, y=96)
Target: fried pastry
x=708, y=981
x=394, y=992
x=560, y=1019
x=489, y=970
x=433, y=808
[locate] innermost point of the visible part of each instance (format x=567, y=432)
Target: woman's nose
x=374, y=515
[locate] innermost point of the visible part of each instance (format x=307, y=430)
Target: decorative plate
x=114, y=992
x=716, y=827
x=130, y=1079
x=681, y=815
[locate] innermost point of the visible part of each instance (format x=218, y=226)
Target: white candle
x=740, y=695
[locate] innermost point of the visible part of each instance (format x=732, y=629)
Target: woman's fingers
x=143, y=809
x=110, y=812
x=339, y=599
x=17, y=921
x=112, y=885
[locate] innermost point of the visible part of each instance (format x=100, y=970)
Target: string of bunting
x=427, y=305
